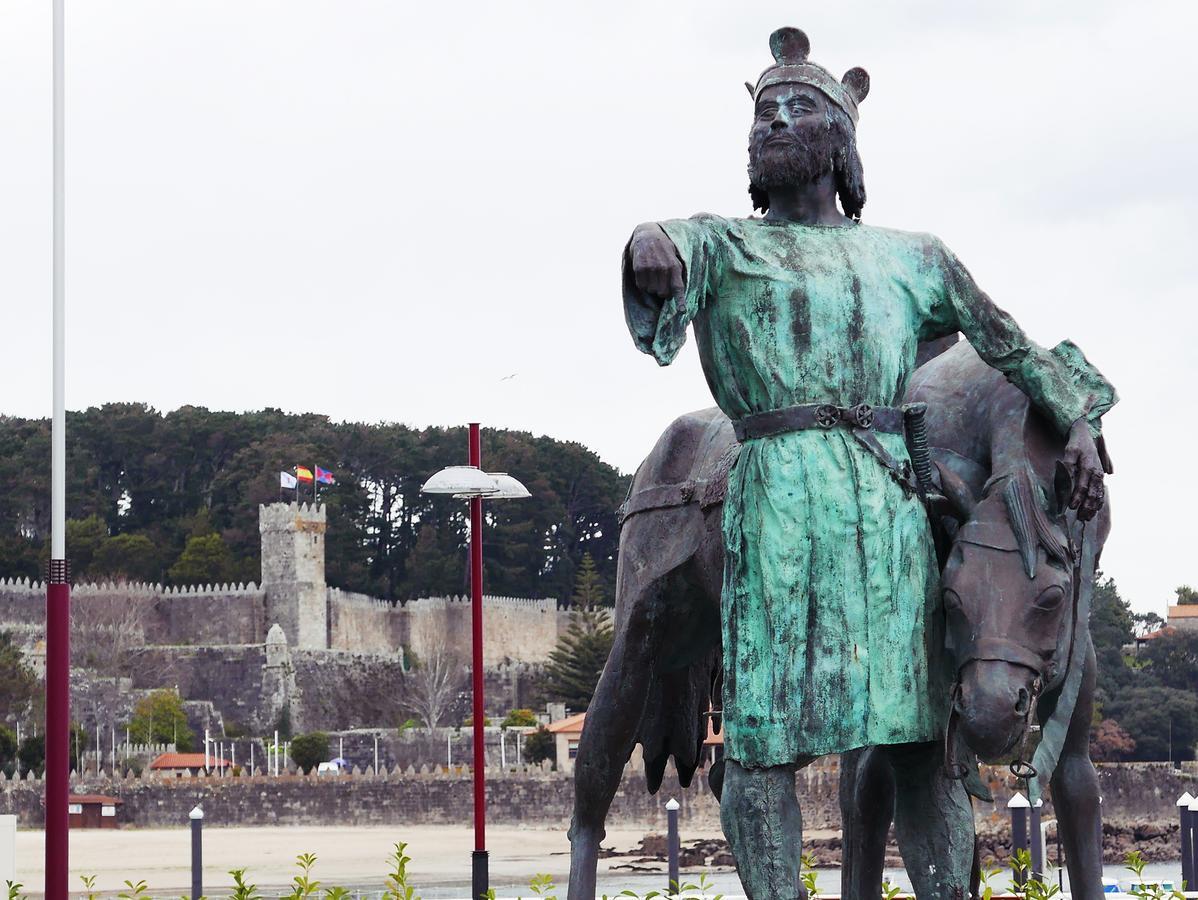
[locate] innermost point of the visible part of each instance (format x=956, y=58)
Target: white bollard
x=8, y=848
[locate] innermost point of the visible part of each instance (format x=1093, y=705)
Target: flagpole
x=58, y=592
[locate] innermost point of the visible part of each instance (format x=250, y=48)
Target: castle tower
x=293, y=572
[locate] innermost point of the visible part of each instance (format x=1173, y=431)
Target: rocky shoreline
x=1156, y=842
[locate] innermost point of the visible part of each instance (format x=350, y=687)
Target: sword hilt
x=915, y=419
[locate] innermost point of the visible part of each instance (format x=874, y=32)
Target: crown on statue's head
x=790, y=47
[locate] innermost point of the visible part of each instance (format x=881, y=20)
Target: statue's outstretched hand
x=656, y=266
x=1085, y=465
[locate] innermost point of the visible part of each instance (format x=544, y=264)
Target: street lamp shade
x=461, y=481
x=509, y=487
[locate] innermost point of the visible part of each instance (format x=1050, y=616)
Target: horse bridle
x=1048, y=674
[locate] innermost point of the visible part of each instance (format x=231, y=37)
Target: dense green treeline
x=1146, y=703
x=174, y=497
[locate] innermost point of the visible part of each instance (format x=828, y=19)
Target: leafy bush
x=540, y=746
x=520, y=718
x=309, y=750
x=159, y=718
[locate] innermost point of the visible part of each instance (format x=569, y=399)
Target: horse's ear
x=957, y=492
x=1062, y=489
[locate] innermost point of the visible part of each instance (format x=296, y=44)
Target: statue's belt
x=861, y=421
x=818, y=415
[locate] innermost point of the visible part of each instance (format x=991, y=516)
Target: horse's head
x=1008, y=588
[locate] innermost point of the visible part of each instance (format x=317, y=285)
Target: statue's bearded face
x=791, y=140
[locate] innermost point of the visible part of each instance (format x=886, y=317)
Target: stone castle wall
x=198, y=615
x=341, y=656
x=362, y=624
x=1131, y=793
x=514, y=628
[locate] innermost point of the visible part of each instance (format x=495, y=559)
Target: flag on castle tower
x=287, y=480
x=303, y=474
x=324, y=476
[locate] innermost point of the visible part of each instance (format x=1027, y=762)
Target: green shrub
x=539, y=746
x=309, y=750
x=520, y=718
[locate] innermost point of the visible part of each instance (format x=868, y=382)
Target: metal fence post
x=1187, y=840
x=1193, y=817
x=672, y=845
x=1037, y=836
x=1019, y=807
x=197, y=853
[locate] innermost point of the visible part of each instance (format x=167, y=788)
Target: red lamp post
x=473, y=484
x=58, y=592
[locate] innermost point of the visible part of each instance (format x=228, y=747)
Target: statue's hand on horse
x=1086, y=467
x=656, y=266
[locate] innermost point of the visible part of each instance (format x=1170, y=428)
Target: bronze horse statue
x=1017, y=580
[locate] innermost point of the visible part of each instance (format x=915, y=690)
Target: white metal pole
x=99, y=750
x=18, y=760
x=251, y=758
x=58, y=439
x=502, y=750
x=206, y=765
x=376, y=754
x=448, y=750
x=58, y=595
x=341, y=747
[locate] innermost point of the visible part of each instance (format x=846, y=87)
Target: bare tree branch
x=435, y=683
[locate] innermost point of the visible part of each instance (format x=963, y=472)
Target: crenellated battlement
x=287, y=516
x=133, y=588
x=490, y=601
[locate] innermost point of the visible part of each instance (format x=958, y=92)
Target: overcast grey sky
x=380, y=210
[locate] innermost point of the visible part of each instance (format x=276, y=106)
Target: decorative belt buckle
x=827, y=415
x=863, y=415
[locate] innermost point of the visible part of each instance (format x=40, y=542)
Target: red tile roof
x=1153, y=635
x=573, y=725
x=568, y=725
x=187, y=761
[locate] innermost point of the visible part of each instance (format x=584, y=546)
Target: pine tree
x=578, y=659
x=588, y=586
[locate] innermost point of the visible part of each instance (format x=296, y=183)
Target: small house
x=92, y=811
x=567, y=733
x=1184, y=616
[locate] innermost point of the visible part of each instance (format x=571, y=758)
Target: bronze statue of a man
x=807, y=323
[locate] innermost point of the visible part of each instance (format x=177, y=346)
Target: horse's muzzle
x=992, y=706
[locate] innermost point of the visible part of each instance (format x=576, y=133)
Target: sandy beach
x=352, y=856
x=356, y=857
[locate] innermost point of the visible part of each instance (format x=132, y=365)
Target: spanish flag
x=303, y=474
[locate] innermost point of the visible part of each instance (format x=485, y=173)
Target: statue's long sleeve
x=658, y=326
x=1061, y=382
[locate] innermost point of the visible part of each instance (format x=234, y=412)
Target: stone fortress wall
x=312, y=614
x=332, y=658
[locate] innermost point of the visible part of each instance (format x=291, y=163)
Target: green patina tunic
x=832, y=629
